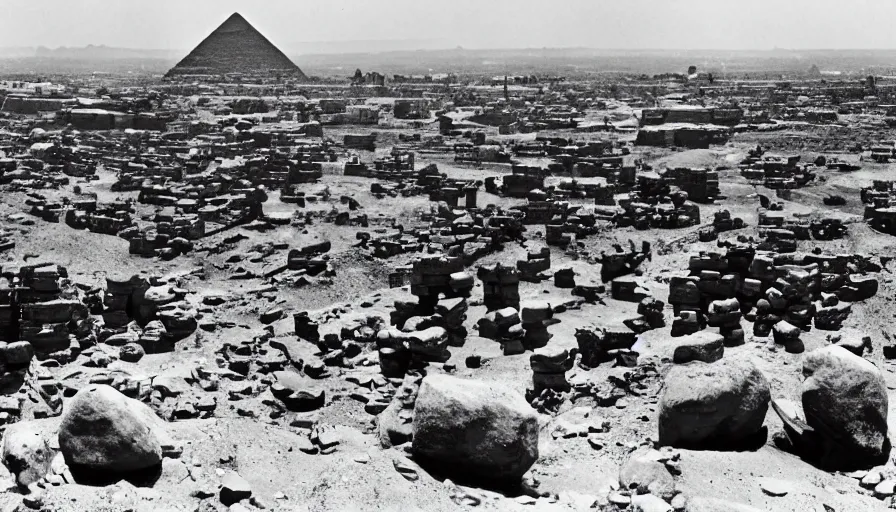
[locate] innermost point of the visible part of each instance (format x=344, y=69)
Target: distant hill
x=102, y=52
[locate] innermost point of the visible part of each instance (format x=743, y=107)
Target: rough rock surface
x=719, y=405
x=643, y=473
x=474, y=428
x=106, y=431
x=845, y=401
x=26, y=453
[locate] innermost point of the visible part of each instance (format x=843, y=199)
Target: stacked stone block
x=424, y=329
x=535, y=263
x=123, y=301
x=47, y=310
x=726, y=315
x=600, y=345
x=8, y=311
x=549, y=366
x=504, y=326
x=768, y=289
x=450, y=315
x=656, y=205
x=536, y=316
x=565, y=278
x=500, y=286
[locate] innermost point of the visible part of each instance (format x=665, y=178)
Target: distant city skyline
x=475, y=24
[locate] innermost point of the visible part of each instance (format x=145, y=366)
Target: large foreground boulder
x=103, y=430
x=845, y=402
x=474, y=429
x=721, y=405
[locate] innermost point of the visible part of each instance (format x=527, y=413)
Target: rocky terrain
x=274, y=304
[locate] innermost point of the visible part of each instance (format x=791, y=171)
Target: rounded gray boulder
x=720, y=405
x=26, y=453
x=477, y=429
x=845, y=402
x=106, y=431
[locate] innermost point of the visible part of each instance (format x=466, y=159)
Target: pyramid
x=236, y=47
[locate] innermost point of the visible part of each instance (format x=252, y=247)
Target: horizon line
x=464, y=48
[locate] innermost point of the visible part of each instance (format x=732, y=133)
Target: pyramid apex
x=235, y=21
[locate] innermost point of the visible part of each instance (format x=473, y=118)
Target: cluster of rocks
x=133, y=174
x=700, y=184
x=721, y=403
x=112, y=218
x=879, y=200
x=621, y=262
x=341, y=337
x=28, y=173
x=146, y=312
x=776, y=172
x=468, y=234
x=572, y=224
x=103, y=436
x=781, y=234
x=310, y=259
x=604, y=344
x=173, y=234
x=399, y=164
x=721, y=222
x=426, y=181
x=783, y=292
x=500, y=286
x=104, y=218
x=423, y=330
x=543, y=211
x=188, y=210
x=39, y=305
x=536, y=263
x=654, y=204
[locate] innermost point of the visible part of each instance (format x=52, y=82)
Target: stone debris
x=238, y=287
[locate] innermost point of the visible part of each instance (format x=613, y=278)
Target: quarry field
x=227, y=290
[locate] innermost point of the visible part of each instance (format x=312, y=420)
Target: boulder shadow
x=751, y=443
x=460, y=475
x=90, y=476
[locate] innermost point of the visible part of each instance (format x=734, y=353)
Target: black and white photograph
x=472, y=256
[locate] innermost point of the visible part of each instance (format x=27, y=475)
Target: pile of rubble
x=776, y=172
x=721, y=222
x=424, y=330
x=879, y=200
x=781, y=234
x=654, y=204
x=780, y=293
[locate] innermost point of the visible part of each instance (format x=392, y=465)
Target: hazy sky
x=676, y=24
